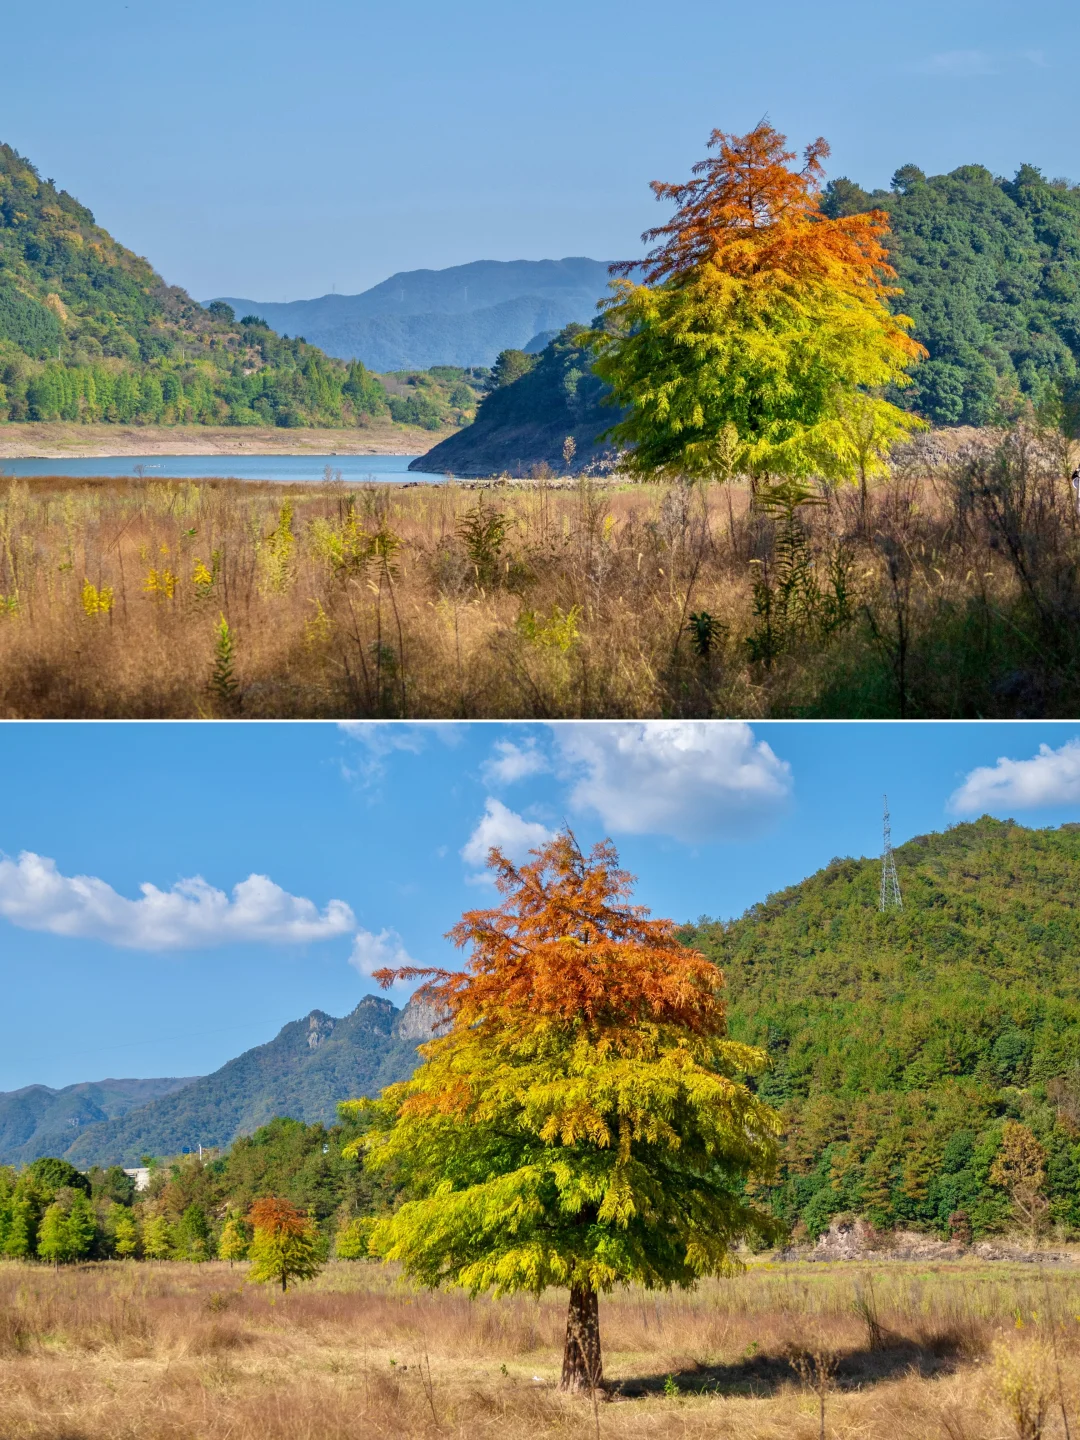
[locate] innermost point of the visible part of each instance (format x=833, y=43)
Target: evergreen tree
x=233, y=1243
x=582, y=1123
x=82, y=1227
x=21, y=1231
x=53, y=1242
x=124, y=1231
x=157, y=1238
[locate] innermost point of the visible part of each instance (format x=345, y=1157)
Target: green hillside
x=38, y=1120
x=990, y=270
x=302, y=1073
x=526, y=421
x=90, y=332
x=904, y=1042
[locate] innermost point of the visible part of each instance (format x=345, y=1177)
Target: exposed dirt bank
x=57, y=440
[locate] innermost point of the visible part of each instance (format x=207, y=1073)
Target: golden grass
x=370, y=602
x=159, y=1352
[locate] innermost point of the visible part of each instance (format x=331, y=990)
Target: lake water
x=289, y=468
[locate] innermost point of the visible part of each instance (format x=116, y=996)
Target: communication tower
x=890, y=885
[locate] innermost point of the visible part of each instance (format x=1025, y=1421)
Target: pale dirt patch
x=59, y=440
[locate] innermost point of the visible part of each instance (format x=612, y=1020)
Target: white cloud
x=381, y=738
x=372, y=952
x=690, y=779
x=512, y=762
x=35, y=896
x=501, y=827
x=957, y=64
x=1052, y=777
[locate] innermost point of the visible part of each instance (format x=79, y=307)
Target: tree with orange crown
x=580, y=1120
x=761, y=337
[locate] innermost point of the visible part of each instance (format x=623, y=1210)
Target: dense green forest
x=990, y=270
x=908, y=1047
x=89, y=332
x=97, y=1214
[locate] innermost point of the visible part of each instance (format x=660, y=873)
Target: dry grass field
x=956, y=593
x=138, y=1351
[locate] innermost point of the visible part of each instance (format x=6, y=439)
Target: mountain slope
x=37, y=1120
x=526, y=423
x=902, y=1042
x=90, y=332
x=990, y=270
x=463, y=315
x=303, y=1072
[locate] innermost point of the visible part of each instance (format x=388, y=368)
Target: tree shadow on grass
x=765, y=1373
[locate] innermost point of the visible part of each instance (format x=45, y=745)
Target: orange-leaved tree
x=760, y=327
x=284, y=1244
x=579, y=1120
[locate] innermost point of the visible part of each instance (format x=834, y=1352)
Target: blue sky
x=371, y=840
x=275, y=150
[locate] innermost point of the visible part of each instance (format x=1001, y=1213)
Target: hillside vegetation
x=927, y=1062
x=38, y=1120
x=989, y=271
x=90, y=332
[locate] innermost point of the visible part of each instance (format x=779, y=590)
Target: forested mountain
x=526, y=421
x=38, y=1120
x=990, y=273
x=464, y=315
x=303, y=1072
x=990, y=270
x=904, y=1043
x=90, y=332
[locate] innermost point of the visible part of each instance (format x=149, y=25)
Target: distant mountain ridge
x=38, y=1120
x=303, y=1072
x=463, y=315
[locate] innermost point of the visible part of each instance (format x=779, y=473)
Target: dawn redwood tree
x=284, y=1244
x=762, y=330
x=580, y=1120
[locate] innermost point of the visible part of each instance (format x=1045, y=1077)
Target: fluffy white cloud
x=1052, y=777
x=512, y=762
x=690, y=779
x=372, y=952
x=513, y=835
x=35, y=896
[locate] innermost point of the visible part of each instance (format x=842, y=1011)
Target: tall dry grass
x=954, y=594
x=961, y=1351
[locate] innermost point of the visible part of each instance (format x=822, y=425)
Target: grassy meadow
x=961, y=1351
x=953, y=591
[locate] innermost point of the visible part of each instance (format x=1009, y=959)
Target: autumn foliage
x=579, y=1121
x=758, y=316
x=285, y=1245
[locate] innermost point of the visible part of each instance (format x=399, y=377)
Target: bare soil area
x=59, y=440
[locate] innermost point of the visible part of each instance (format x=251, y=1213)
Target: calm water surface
x=290, y=468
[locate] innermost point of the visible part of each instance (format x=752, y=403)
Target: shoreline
x=59, y=440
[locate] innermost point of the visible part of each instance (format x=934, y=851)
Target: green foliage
x=434, y=399
x=284, y=1244
x=90, y=333
x=901, y=1043
x=234, y=1241
x=989, y=273
x=157, y=1238
x=124, y=1232
x=509, y=366
x=554, y=1137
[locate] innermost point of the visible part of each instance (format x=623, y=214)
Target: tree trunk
x=582, y=1366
